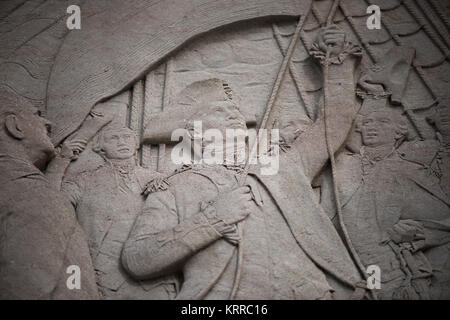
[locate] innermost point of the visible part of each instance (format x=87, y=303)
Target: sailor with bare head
x=107, y=200
x=40, y=236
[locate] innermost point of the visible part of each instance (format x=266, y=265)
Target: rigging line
x=427, y=27
x=418, y=69
x=293, y=72
x=366, y=44
x=440, y=12
x=429, y=14
x=263, y=125
x=337, y=197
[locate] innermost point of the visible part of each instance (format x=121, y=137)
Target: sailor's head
x=383, y=127
x=23, y=126
x=210, y=102
x=116, y=142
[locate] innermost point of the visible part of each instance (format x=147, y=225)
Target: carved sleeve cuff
x=228, y=231
x=196, y=232
x=209, y=212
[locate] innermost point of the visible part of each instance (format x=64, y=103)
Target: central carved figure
x=288, y=248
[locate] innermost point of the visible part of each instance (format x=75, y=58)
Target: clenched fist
x=331, y=38
x=71, y=149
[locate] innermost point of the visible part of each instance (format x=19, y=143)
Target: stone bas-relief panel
x=362, y=176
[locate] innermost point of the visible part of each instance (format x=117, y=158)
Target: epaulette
x=162, y=183
x=183, y=168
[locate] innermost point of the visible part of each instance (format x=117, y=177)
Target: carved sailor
x=288, y=248
x=40, y=238
x=107, y=201
x=392, y=209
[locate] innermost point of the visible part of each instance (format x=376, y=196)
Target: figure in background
x=392, y=211
x=107, y=201
x=40, y=237
x=289, y=248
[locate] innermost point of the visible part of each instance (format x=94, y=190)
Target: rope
x=331, y=153
x=269, y=108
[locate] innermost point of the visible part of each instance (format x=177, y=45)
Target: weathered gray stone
x=107, y=200
x=40, y=237
x=364, y=170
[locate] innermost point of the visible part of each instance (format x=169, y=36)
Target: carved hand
x=234, y=206
x=331, y=37
x=72, y=148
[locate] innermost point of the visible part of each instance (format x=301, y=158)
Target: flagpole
x=263, y=125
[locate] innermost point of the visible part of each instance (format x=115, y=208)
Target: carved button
x=178, y=228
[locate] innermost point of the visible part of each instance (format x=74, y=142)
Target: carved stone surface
x=40, y=237
x=107, y=200
x=363, y=157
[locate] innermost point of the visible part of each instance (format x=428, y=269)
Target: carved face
x=378, y=128
x=223, y=114
x=119, y=144
x=36, y=129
